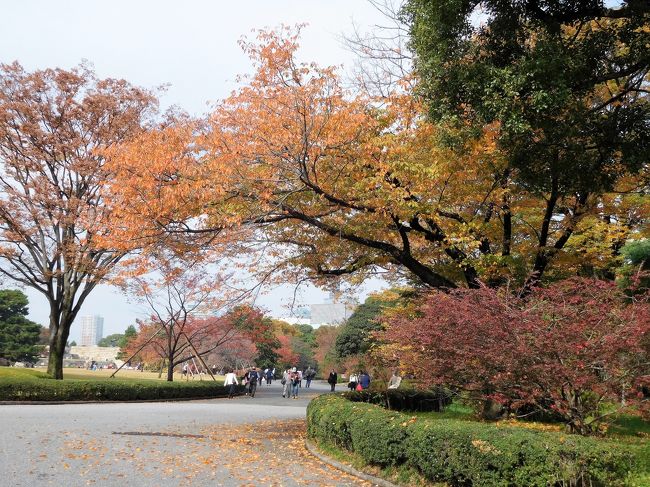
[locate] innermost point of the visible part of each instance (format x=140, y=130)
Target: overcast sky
x=190, y=45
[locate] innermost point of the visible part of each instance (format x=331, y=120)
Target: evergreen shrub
x=403, y=399
x=472, y=453
x=46, y=389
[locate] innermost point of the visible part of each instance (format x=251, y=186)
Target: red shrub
x=570, y=349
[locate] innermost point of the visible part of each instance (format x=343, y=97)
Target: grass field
x=627, y=427
x=85, y=374
x=17, y=384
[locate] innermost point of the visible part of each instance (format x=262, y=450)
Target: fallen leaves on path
x=264, y=453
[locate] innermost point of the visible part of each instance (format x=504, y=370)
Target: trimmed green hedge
x=468, y=453
x=403, y=399
x=46, y=389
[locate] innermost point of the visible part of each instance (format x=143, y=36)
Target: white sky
x=192, y=45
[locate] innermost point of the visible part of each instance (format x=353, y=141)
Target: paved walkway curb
x=171, y=399
x=311, y=448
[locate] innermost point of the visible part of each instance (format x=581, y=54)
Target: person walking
x=331, y=379
x=231, y=380
x=309, y=375
x=295, y=383
x=269, y=376
x=253, y=377
x=286, y=383
x=244, y=381
x=353, y=381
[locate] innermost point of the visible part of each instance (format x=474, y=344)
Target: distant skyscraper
x=92, y=329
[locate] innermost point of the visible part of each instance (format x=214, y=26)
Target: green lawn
x=85, y=374
x=83, y=385
x=627, y=427
x=15, y=373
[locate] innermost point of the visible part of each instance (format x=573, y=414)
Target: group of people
x=292, y=381
x=252, y=377
x=359, y=381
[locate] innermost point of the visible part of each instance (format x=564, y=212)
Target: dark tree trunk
x=170, y=368
x=162, y=367
x=59, y=332
x=492, y=410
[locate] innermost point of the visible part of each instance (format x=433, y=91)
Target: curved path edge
x=313, y=449
x=99, y=401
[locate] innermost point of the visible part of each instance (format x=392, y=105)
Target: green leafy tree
x=129, y=333
x=355, y=336
x=306, y=334
x=113, y=340
x=635, y=271
x=564, y=84
x=637, y=253
x=19, y=336
x=267, y=355
x=305, y=352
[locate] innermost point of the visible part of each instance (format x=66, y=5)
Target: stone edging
x=99, y=401
x=311, y=448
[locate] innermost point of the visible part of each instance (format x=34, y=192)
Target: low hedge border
x=48, y=390
x=464, y=453
x=403, y=399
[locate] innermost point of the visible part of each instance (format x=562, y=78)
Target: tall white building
x=92, y=330
x=336, y=310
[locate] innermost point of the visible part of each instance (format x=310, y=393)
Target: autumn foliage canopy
x=334, y=181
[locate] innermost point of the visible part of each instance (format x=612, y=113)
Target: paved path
x=240, y=442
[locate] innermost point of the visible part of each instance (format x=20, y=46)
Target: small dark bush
x=42, y=389
x=403, y=399
x=469, y=453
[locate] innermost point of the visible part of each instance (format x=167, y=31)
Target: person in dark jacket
x=364, y=380
x=331, y=380
x=309, y=375
x=253, y=377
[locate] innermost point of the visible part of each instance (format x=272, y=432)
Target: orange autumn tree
x=331, y=181
x=325, y=352
x=53, y=126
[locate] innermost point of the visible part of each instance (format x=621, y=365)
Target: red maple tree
x=576, y=349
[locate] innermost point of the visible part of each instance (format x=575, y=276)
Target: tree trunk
x=59, y=332
x=162, y=367
x=55, y=361
x=492, y=410
x=170, y=368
